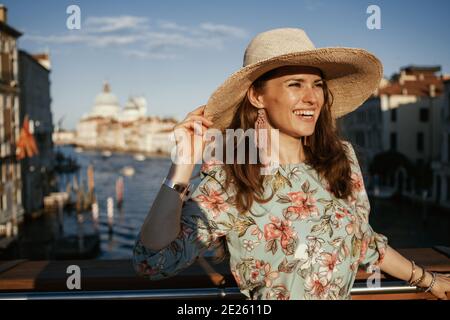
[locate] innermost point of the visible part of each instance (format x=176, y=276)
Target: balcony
x=106, y=279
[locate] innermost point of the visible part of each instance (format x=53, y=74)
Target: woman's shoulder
x=350, y=150
x=212, y=166
x=212, y=172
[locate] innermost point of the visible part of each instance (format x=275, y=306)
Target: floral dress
x=303, y=244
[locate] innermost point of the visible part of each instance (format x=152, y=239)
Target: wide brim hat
x=352, y=74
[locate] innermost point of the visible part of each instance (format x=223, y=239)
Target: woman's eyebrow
x=302, y=80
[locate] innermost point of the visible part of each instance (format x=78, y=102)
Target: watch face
x=180, y=188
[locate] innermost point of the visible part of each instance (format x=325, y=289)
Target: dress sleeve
x=205, y=218
x=370, y=244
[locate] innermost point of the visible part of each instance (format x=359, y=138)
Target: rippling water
x=139, y=193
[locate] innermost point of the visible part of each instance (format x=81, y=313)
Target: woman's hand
x=441, y=286
x=189, y=135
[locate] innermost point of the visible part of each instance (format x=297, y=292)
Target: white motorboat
x=128, y=171
x=106, y=154
x=139, y=157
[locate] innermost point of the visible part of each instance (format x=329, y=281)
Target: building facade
x=35, y=101
x=108, y=127
x=403, y=116
x=11, y=209
x=441, y=169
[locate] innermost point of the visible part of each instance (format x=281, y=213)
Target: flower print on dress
x=328, y=263
x=256, y=231
x=250, y=245
x=309, y=255
x=211, y=164
x=316, y=286
x=212, y=199
x=278, y=292
x=269, y=275
x=303, y=203
x=279, y=230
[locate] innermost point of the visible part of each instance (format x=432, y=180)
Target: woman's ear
x=255, y=97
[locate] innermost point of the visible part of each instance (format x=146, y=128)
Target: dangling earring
x=261, y=123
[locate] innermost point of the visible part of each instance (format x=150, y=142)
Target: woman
x=302, y=231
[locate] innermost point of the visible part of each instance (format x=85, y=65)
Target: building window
x=6, y=71
x=393, y=115
x=360, y=141
x=393, y=141
x=423, y=115
x=420, y=141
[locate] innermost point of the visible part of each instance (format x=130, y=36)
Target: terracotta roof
x=420, y=88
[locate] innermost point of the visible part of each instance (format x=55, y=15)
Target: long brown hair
x=324, y=152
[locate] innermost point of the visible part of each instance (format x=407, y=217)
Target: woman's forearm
x=162, y=224
x=399, y=267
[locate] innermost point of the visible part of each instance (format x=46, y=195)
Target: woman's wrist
x=425, y=283
x=180, y=173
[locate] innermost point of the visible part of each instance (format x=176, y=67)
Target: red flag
x=26, y=146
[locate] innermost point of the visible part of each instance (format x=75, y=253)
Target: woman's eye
x=319, y=84
x=296, y=84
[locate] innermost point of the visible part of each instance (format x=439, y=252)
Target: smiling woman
x=302, y=232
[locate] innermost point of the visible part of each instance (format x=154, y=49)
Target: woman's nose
x=309, y=96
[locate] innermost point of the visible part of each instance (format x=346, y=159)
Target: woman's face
x=293, y=100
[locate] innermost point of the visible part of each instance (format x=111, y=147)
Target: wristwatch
x=183, y=189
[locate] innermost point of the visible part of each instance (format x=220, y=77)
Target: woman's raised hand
x=189, y=136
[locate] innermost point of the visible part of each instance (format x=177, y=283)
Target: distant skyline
x=175, y=53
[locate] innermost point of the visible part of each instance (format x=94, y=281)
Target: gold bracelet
x=433, y=281
x=415, y=283
x=412, y=272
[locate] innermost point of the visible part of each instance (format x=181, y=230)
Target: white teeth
x=304, y=112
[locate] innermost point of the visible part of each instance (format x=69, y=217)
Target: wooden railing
x=116, y=279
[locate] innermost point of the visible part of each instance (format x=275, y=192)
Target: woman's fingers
x=199, y=118
x=198, y=111
x=196, y=128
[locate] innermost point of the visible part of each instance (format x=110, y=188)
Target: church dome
x=135, y=108
x=106, y=104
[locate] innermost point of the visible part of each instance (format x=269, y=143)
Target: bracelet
x=183, y=189
x=416, y=282
x=432, y=282
x=412, y=272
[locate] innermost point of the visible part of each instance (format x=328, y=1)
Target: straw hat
x=352, y=74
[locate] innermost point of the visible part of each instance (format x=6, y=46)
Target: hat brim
x=352, y=75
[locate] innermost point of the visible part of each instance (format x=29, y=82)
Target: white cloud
x=169, y=25
x=150, y=55
x=223, y=30
x=166, y=39
x=111, y=24
x=90, y=40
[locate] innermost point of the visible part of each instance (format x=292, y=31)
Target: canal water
x=407, y=224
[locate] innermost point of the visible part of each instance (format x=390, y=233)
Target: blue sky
x=176, y=53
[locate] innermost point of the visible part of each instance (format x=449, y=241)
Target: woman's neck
x=291, y=149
